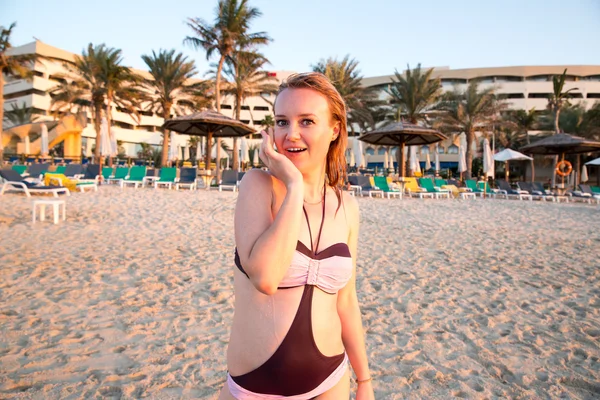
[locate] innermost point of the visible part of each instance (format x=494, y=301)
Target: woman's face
x=303, y=127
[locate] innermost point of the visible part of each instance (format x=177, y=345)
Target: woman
x=297, y=320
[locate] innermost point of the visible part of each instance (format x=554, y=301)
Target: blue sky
x=381, y=35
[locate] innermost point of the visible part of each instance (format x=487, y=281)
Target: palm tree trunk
x=1, y=115
x=532, y=160
x=238, y=112
x=165, y=148
x=555, y=160
x=109, y=123
x=218, y=100
x=97, y=119
x=469, y=153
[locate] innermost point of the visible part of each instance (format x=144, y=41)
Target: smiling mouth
x=296, y=150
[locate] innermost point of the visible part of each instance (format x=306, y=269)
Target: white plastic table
x=55, y=208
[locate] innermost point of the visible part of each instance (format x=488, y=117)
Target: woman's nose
x=293, y=133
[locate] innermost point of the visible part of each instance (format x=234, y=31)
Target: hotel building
x=524, y=87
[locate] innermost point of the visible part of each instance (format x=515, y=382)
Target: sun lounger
x=427, y=185
x=14, y=181
x=512, y=193
x=37, y=170
x=413, y=189
x=585, y=191
x=229, y=180
x=91, y=174
x=167, y=177
x=20, y=168
x=60, y=169
x=381, y=183
x=51, y=178
x=367, y=187
x=120, y=174
x=74, y=171
x=528, y=187
x=135, y=177
x=187, y=179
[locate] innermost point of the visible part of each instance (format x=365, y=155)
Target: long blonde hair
x=335, y=168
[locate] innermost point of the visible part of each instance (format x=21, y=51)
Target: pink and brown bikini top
x=329, y=270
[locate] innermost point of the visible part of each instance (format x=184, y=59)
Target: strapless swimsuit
x=298, y=370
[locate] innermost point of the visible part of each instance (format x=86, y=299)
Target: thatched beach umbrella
x=211, y=124
x=402, y=134
x=561, y=144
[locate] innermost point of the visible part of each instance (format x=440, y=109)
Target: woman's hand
x=365, y=391
x=280, y=166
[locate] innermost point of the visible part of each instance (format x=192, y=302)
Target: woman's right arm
x=266, y=245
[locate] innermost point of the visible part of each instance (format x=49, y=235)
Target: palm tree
x=469, y=111
x=245, y=79
x=413, y=96
x=97, y=78
x=557, y=100
x=347, y=79
x=170, y=86
x=524, y=121
x=20, y=115
x=229, y=32
x=121, y=85
x=68, y=98
x=18, y=66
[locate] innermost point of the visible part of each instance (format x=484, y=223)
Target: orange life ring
x=564, y=168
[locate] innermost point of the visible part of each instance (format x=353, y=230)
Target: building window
x=147, y=113
x=575, y=95
x=595, y=78
x=451, y=82
x=245, y=121
x=593, y=95
x=225, y=107
x=538, y=95
x=483, y=79
x=453, y=149
x=24, y=93
x=245, y=107
x=120, y=124
x=511, y=95
x=38, y=73
x=370, y=151
x=538, y=78
x=261, y=108
x=381, y=151
x=500, y=79
x=424, y=149
x=255, y=122
x=440, y=150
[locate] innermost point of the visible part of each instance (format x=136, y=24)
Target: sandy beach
x=132, y=297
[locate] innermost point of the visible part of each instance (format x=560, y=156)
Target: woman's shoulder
x=256, y=179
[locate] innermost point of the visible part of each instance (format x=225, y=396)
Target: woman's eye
x=307, y=122
x=281, y=122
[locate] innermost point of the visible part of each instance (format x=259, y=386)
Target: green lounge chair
x=381, y=184
x=107, y=172
x=596, y=189
x=135, y=177
x=167, y=177
x=20, y=169
x=60, y=169
x=120, y=174
x=427, y=184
